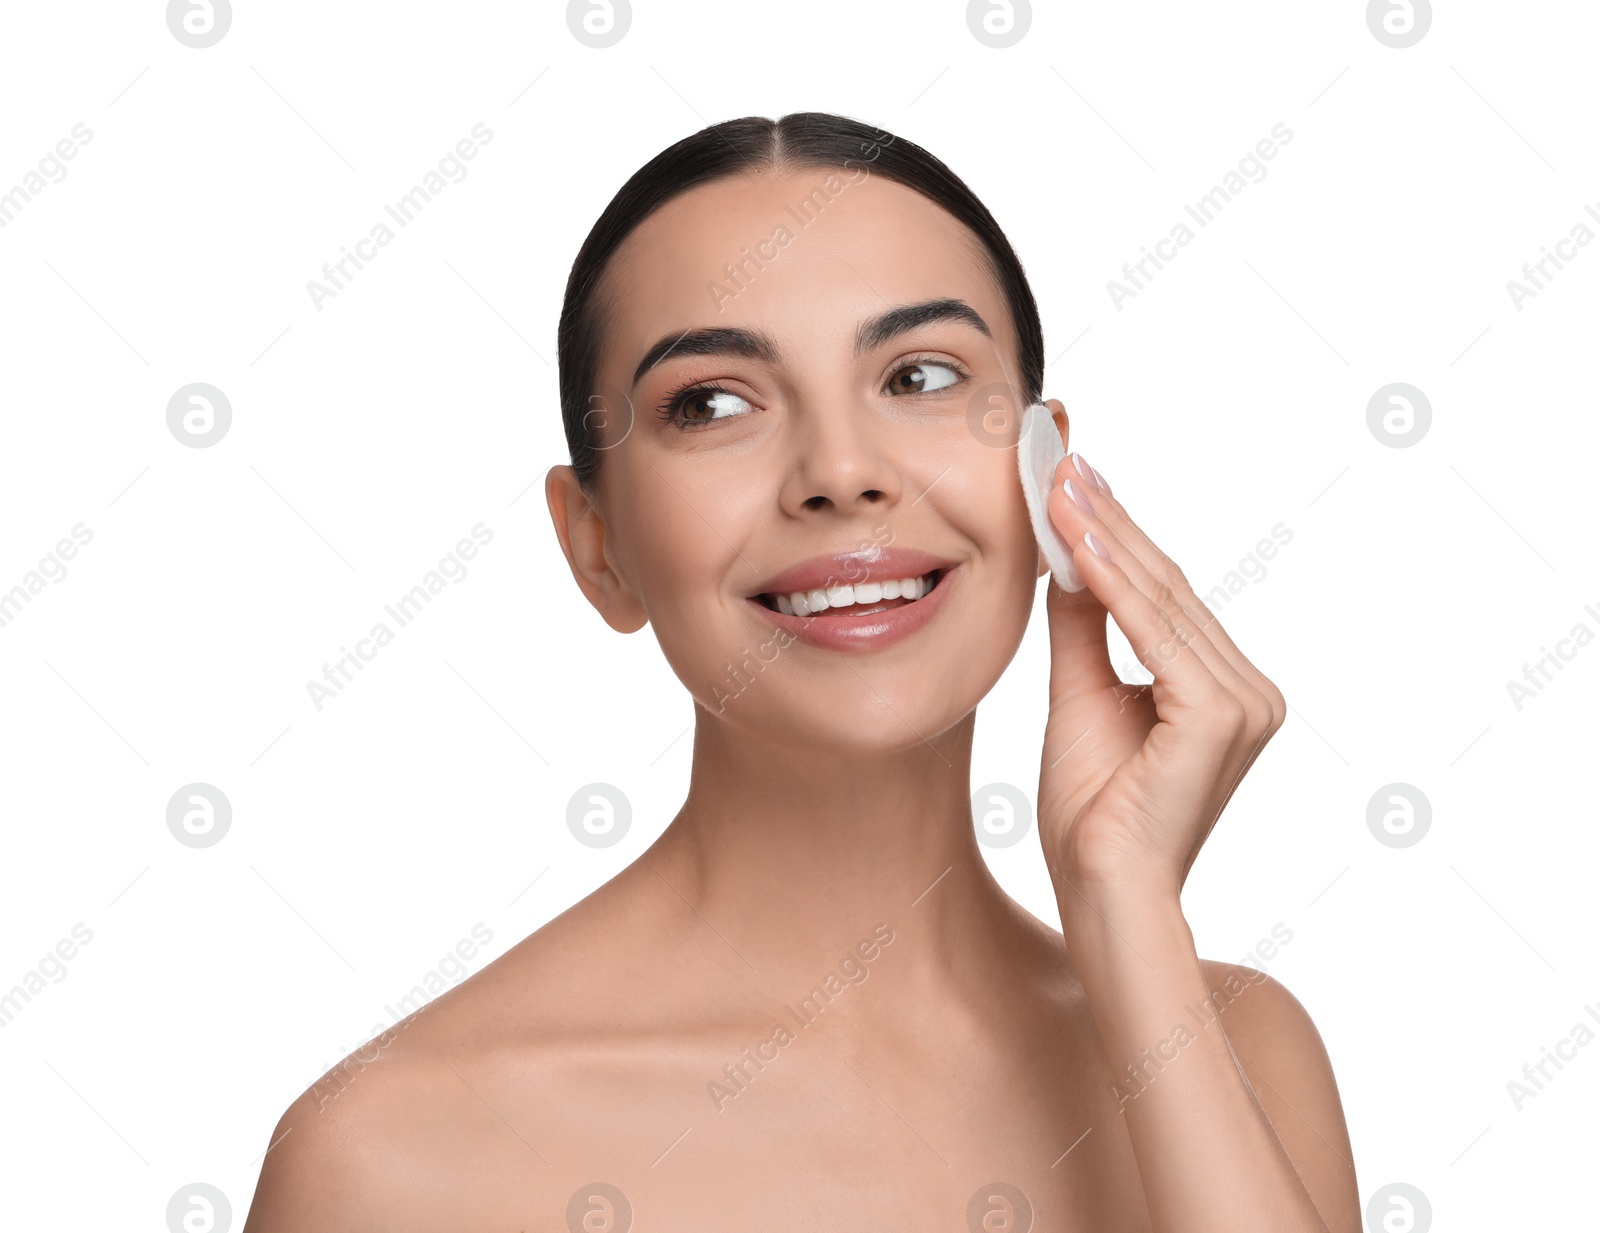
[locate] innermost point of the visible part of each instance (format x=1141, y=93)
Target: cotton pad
x=1039, y=452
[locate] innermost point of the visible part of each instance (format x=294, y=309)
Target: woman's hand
x=1133, y=777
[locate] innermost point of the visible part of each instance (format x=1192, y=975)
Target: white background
x=1230, y=395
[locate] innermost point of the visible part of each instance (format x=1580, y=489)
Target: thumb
x=1080, y=661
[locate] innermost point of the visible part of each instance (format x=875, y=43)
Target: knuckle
x=1174, y=577
x=1164, y=596
x=1197, y=611
x=1278, y=706
x=1230, y=713
x=1260, y=719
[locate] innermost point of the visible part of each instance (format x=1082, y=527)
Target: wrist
x=1093, y=904
x=1097, y=880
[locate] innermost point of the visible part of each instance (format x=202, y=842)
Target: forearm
x=1208, y=1157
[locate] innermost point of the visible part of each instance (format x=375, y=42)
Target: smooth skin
x=829, y=798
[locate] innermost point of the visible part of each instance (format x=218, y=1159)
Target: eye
x=923, y=376
x=701, y=404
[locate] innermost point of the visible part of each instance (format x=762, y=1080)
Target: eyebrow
x=758, y=345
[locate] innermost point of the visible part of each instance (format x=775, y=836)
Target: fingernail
x=1078, y=499
x=1096, y=546
x=1101, y=480
x=1084, y=469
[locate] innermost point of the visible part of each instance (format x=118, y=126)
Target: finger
x=1150, y=629
x=1080, y=659
x=1158, y=563
x=1194, y=851
x=1263, y=705
x=1075, y=519
x=1261, y=720
x=1162, y=567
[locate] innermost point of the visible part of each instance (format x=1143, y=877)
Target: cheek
x=988, y=506
x=682, y=555
x=681, y=567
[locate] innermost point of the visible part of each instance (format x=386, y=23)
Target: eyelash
x=672, y=404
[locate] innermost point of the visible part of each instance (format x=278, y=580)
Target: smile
x=858, y=616
x=852, y=600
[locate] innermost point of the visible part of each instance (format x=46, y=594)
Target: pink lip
x=848, y=568
x=866, y=631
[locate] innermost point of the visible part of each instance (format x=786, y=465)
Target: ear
x=1058, y=413
x=582, y=532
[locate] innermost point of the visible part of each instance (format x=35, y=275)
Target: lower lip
x=866, y=631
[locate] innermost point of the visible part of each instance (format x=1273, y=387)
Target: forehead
x=805, y=254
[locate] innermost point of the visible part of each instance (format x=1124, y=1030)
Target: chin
x=867, y=714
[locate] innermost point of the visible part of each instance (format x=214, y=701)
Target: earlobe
x=1058, y=412
x=581, y=530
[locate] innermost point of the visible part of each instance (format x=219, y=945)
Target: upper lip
x=848, y=568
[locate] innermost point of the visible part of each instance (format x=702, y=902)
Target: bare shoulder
x=1283, y=1056
x=343, y=1155
x=411, y=1130
x=495, y=1079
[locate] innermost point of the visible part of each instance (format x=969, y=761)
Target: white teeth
x=809, y=603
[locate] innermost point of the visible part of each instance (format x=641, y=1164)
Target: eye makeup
x=673, y=403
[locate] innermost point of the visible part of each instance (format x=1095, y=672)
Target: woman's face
x=833, y=429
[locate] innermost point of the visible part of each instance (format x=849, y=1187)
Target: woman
x=792, y=354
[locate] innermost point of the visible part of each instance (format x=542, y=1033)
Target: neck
x=794, y=857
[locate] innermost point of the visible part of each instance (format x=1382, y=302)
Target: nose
x=842, y=460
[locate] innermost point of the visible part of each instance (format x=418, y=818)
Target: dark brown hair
x=802, y=139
